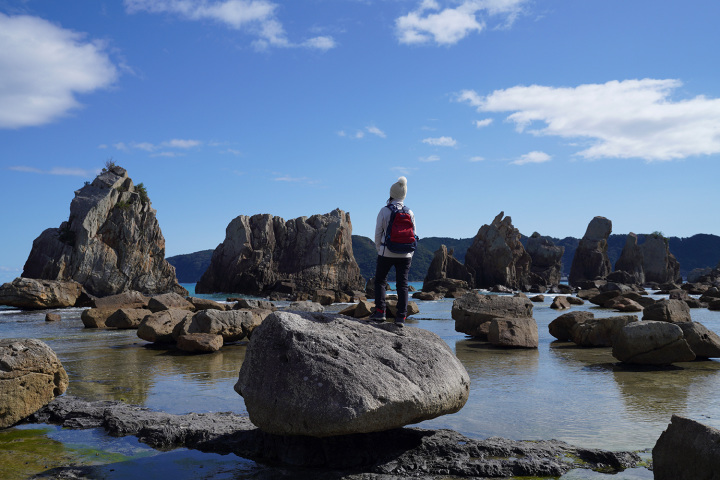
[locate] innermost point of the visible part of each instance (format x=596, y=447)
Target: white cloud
x=477, y=159
x=447, y=26
x=61, y=171
x=431, y=158
x=623, y=119
x=532, y=157
x=483, y=123
x=402, y=170
x=178, y=143
x=42, y=69
x=441, y=141
x=256, y=17
x=376, y=131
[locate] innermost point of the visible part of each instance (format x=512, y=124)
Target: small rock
x=513, y=332
x=52, y=317
x=200, y=342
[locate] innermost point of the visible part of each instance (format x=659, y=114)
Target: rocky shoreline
x=399, y=453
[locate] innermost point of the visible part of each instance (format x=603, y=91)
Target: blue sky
x=553, y=112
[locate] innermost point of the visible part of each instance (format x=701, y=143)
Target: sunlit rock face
x=111, y=242
x=263, y=253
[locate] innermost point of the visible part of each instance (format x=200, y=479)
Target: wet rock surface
x=398, y=453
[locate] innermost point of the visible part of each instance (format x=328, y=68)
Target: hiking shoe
x=378, y=316
x=400, y=321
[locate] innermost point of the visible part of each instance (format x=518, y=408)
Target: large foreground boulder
x=651, y=343
x=687, y=450
x=110, y=243
x=263, y=253
x=591, y=261
x=30, y=377
x=31, y=294
x=473, y=312
x=323, y=375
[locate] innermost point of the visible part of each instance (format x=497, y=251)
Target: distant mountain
x=190, y=267
x=698, y=251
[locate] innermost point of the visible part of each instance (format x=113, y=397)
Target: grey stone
x=158, y=327
x=667, y=310
x=127, y=318
x=473, y=311
x=110, y=243
x=513, y=332
x=561, y=328
x=30, y=377
x=32, y=294
x=591, y=261
x=687, y=450
x=703, y=342
x=600, y=332
x=651, y=343
x=324, y=375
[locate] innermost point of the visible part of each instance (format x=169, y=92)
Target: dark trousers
x=402, y=268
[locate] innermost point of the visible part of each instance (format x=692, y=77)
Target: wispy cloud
x=430, y=22
x=532, y=157
x=290, y=179
x=361, y=133
x=622, y=119
x=402, y=170
x=176, y=143
x=430, y=158
x=44, y=67
x=62, y=171
x=440, y=141
x=476, y=159
x=483, y=123
x=255, y=17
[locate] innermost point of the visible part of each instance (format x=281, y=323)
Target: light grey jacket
x=381, y=225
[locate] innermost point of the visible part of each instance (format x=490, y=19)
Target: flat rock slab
x=323, y=375
x=394, y=454
x=651, y=343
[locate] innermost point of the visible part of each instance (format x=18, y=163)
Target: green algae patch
x=27, y=452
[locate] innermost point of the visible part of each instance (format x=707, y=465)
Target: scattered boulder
x=232, y=325
x=473, y=312
x=497, y=257
x=206, y=304
x=588, y=293
x=111, y=242
x=562, y=327
x=703, y=342
x=591, y=260
x=131, y=299
x=714, y=305
x=127, y=318
x=30, y=377
x=651, y=343
x=687, y=450
x=200, y=342
x=158, y=327
x=546, y=258
x=323, y=375
x=246, y=303
x=513, y=332
x=52, y=317
x=623, y=304
x=574, y=300
x=96, y=317
x=599, y=332
x=324, y=297
x=169, y=301
x=412, y=308
x=427, y=296
x=306, y=306
x=538, y=298
x=32, y=294
x=560, y=303
x=446, y=286
x=263, y=253
x=667, y=310
x=602, y=298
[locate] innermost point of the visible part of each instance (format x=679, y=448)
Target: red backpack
x=400, y=234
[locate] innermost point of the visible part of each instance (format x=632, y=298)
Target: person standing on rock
x=395, y=241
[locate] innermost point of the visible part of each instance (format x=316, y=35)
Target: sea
x=582, y=396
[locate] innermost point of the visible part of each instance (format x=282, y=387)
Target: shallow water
x=581, y=396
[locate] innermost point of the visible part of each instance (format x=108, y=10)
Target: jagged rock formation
x=631, y=259
x=263, y=253
x=444, y=265
x=659, y=264
x=546, y=258
x=496, y=256
x=111, y=242
x=591, y=260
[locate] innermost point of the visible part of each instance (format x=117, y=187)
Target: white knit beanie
x=398, y=190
